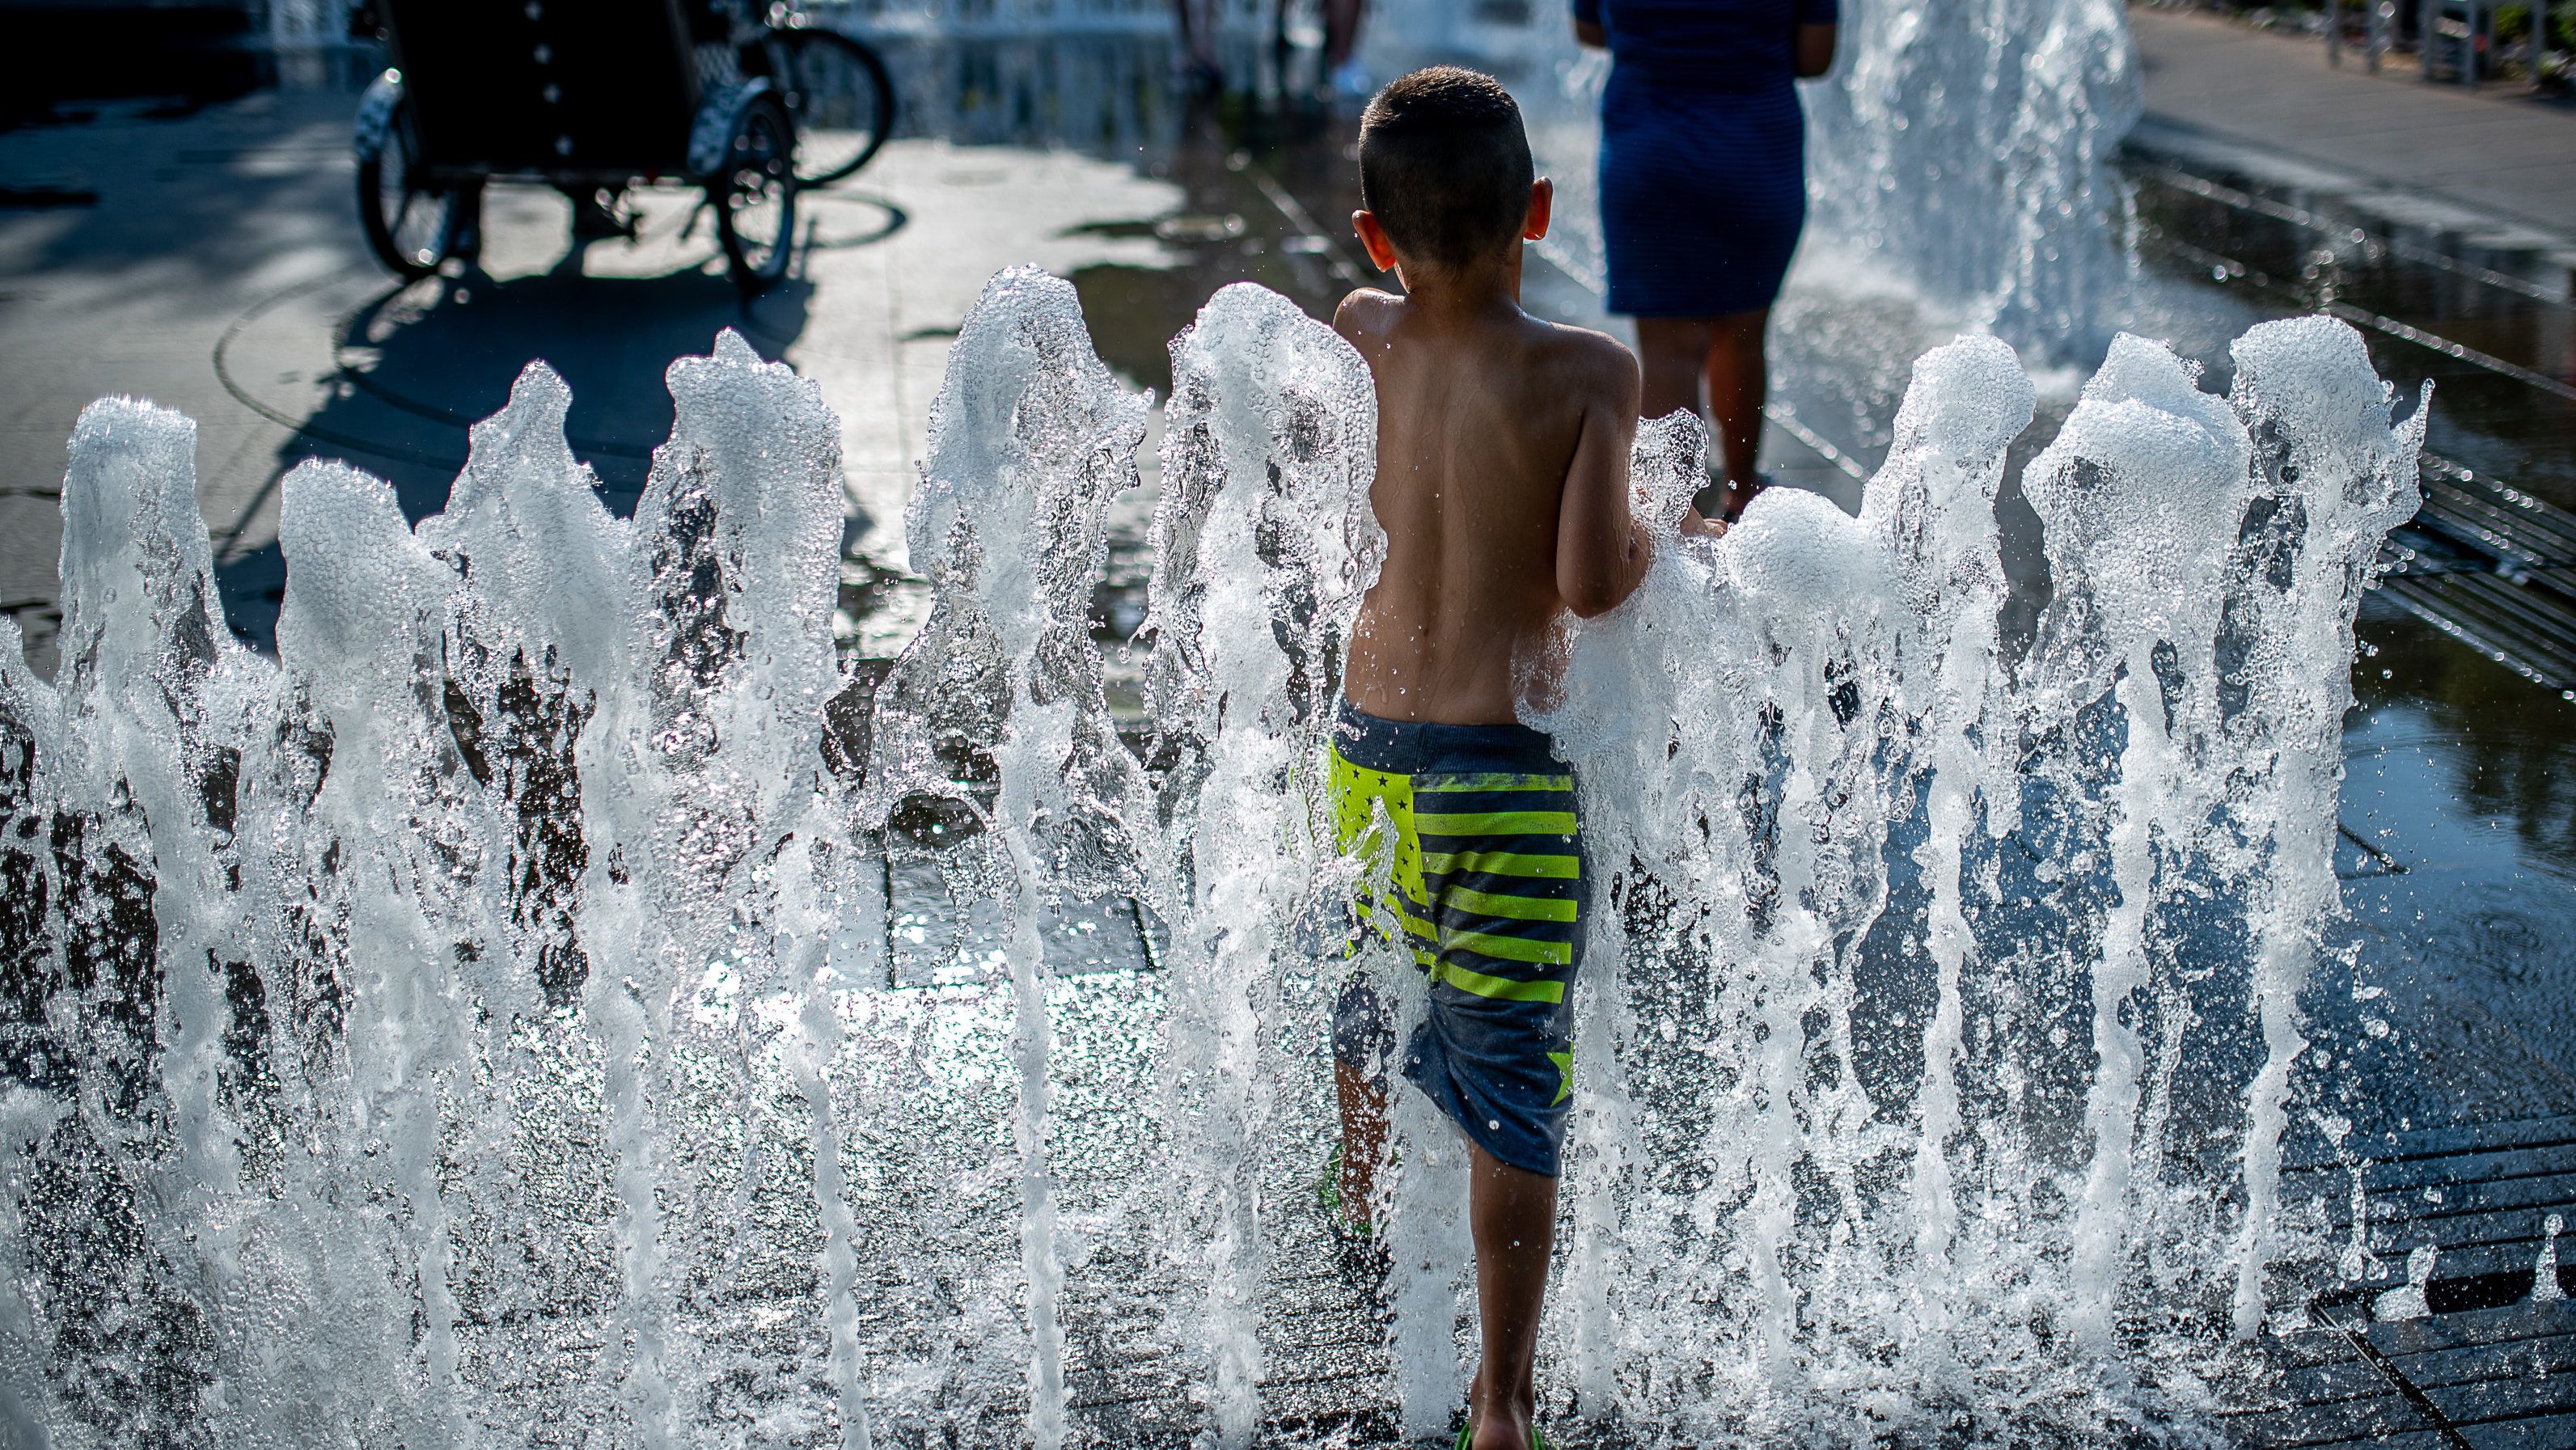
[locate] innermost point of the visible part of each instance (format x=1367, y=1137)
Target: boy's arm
x=1601, y=550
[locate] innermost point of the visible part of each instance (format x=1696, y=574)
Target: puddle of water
x=2311, y=252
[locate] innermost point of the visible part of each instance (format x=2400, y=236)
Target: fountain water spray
x=1904, y=168
x=482, y=1019
x=1029, y=440
x=1264, y=545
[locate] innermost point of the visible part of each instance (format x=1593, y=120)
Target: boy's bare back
x=1502, y=482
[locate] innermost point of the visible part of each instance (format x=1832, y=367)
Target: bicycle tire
x=409, y=249
x=836, y=86
x=763, y=133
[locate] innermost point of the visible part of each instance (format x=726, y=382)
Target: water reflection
x=2509, y=748
x=2293, y=251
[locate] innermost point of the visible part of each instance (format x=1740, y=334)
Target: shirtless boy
x=1502, y=483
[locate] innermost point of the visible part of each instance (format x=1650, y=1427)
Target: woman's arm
x=1588, y=29
x=1811, y=53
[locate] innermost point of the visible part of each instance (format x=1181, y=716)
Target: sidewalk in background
x=213, y=262
x=2213, y=86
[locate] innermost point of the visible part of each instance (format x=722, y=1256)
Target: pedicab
x=594, y=97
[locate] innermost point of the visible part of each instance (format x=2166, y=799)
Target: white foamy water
x=492, y=1016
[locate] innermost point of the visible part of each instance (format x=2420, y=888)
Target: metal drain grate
x=2482, y=1361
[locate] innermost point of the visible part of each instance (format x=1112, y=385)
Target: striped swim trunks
x=1486, y=886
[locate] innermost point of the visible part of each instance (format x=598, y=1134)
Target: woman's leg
x=1341, y=32
x=1672, y=352
x=1738, y=383
x=1677, y=355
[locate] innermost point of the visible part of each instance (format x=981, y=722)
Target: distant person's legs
x=1341, y=45
x=467, y=239
x=599, y=212
x=1512, y=1214
x=1678, y=356
x=1196, y=20
x=1672, y=352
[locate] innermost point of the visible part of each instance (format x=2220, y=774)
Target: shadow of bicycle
x=418, y=365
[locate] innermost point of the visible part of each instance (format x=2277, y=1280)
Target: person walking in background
x=1343, y=74
x=1703, y=193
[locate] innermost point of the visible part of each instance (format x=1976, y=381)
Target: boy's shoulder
x=1586, y=368
x=1579, y=359
x=1597, y=355
x=1366, y=316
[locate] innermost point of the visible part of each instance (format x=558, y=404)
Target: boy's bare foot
x=1499, y=1422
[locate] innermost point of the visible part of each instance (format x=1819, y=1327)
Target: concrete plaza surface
x=2499, y=150
x=212, y=262
x=220, y=270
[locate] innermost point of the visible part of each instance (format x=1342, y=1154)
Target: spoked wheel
x=411, y=227
x=755, y=194
x=842, y=100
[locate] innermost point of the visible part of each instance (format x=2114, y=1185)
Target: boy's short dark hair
x=1445, y=165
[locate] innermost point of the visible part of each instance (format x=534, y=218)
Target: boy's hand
x=1698, y=525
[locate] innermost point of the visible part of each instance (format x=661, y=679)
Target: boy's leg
x=1363, y=1102
x=1512, y=1213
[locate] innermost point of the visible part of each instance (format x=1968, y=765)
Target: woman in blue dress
x=1703, y=192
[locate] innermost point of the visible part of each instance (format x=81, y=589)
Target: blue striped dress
x=1703, y=152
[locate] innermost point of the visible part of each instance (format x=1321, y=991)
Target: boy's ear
x=1373, y=240
x=1542, y=206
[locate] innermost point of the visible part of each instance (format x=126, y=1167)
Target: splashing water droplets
x=495, y=1014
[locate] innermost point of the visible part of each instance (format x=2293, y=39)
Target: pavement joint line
x=2387, y=1369
x=1787, y=417
x=2388, y=865
x=2170, y=175
x=298, y=426
x=1295, y=211
x=2234, y=270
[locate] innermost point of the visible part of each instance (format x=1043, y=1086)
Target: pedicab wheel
x=755, y=194
x=410, y=227
x=843, y=102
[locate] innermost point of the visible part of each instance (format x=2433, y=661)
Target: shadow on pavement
x=418, y=365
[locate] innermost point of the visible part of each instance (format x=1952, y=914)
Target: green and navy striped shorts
x=1484, y=884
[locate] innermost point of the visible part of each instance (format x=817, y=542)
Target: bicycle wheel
x=410, y=228
x=842, y=99
x=755, y=196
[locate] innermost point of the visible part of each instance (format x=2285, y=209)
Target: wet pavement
x=219, y=270
x=2499, y=149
